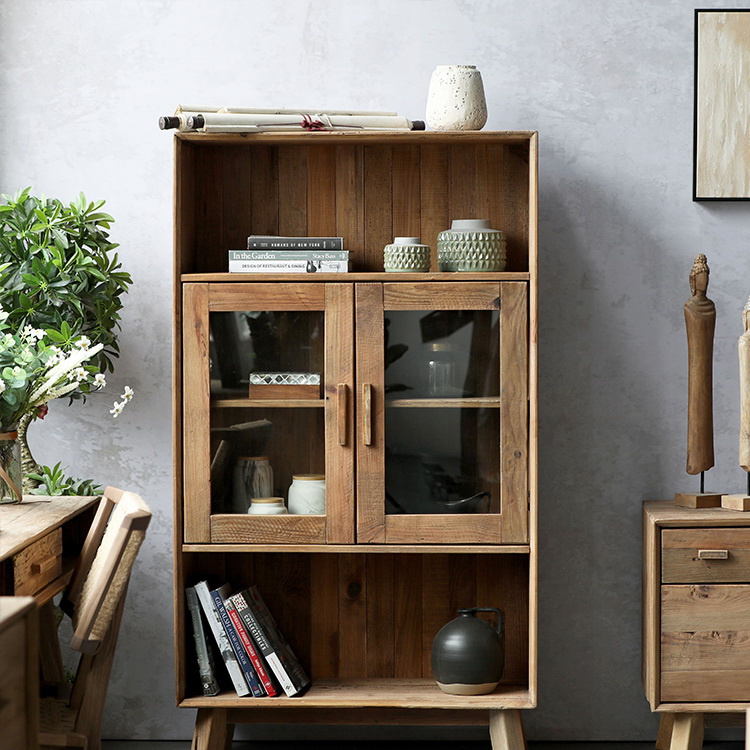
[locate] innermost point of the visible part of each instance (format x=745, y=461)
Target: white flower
x=70, y=362
x=28, y=333
x=128, y=393
x=3, y=315
x=80, y=374
x=40, y=333
x=2, y=385
x=83, y=343
x=117, y=408
x=99, y=380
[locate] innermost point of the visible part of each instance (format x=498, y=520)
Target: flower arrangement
x=37, y=366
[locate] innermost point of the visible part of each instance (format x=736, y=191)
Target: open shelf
x=456, y=403
x=268, y=403
x=415, y=549
x=216, y=278
x=374, y=693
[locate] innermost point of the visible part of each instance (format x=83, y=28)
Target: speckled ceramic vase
x=455, y=100
x=467, y=654
x=471, y=245
x=406, y=255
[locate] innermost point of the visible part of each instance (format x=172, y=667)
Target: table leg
x=506, y=730
x=50, y=658
x=664, y=736
x=687, y=732
x=211, y=729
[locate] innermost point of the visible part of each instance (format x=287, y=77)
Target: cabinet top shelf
x=354, y=276
x=362, y=136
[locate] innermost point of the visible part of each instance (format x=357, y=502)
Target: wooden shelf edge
x=353, y=276
x=373, y=693
x=702, y=708
x=475, y=549
x=268, y=403
x=361, y=136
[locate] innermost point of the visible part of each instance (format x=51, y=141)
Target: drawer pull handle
x=341, y=391
x=713, y=554
x=367, y=413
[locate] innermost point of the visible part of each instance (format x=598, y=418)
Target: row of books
x=271, y=254
x=258, y=659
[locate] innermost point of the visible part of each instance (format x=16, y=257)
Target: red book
x=252, y=653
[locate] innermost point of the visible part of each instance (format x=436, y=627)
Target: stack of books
x=270, y=254
x=258, y=659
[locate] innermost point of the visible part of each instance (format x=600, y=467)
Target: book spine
x=289, y=266
x=252, y=653
x=264, y=645
x=288, y=255
x=234, y=639
x=295, y=243
x=220, y=636
x=205, y=663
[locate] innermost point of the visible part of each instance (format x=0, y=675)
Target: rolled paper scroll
x=700, y=322
x=744, y=350
x=231, y=122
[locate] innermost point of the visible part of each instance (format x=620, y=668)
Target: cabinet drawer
x=37, y=565
x=705, y=643
x=705, y=555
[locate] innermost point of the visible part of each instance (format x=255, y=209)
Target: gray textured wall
x=609, y=86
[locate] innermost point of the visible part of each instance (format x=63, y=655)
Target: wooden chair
x=95, y=599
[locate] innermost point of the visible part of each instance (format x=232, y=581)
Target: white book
x=225, y=648
x=288, y=266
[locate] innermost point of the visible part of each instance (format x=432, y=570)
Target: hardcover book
x=203, y=650
x=222, y=641
x=288, y=255
x=288, y=266
x=268, y=242
x=218, y=596
x=271, y=643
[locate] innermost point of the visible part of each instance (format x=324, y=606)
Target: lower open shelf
x=374, y=693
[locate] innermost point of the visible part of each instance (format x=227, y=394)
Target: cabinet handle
x=367, y=413
x=341, y=412
x=713, y=554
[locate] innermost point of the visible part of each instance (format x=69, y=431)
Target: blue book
x=237, y=647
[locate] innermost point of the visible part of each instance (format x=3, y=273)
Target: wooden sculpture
x=742, y=502
x=700, y=322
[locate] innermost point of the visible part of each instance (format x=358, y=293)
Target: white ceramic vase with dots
x=455, y=100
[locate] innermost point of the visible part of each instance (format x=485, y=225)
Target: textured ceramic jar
x=471, y=245
x=455, y=100
x=406, y=255
x=467, y=654
x=307, y=494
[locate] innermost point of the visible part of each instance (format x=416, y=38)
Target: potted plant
x=59, y=273
x=34, y=371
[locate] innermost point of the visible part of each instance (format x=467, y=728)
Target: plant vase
x=11, y=473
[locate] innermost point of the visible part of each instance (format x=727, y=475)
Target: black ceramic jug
x=467, y=654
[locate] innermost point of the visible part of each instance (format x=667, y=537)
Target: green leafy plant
x=57, y=265
x=53, y=481
x=59, y=273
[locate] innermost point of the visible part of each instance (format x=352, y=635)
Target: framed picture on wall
x=721, y=149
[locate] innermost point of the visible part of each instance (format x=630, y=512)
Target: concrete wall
x=608, y=84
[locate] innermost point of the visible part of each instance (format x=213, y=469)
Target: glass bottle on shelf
x=441, y=370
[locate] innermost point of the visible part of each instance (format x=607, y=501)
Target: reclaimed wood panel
x=433, y=195
x=296, y=614
x=515, y=200
x=436, y=607
x=462, y=183
x=381, y=632
x=437, y=296
x=352, y=616
x=239, y=191
x=378, y=206
x=321, y=191
x=350, y=203
x=292, y=186
x=406, y=185
x=207, y=212
x=324, y=629
x=289, y=529
x=407, y=595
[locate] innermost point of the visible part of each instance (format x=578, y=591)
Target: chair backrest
x=104, y=567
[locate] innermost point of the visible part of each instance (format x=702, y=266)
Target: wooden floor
x=147, y=745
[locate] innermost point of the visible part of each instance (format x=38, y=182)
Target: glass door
x=267, y=413
x=442, y=412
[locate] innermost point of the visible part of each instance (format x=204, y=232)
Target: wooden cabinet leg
x=664, y=736
x=747, y=729
x=687, y=732
x=50, y=658
x=210, y=729
x=506, y=730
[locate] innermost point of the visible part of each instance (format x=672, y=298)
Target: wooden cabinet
x=423, y=421
x=696, y=627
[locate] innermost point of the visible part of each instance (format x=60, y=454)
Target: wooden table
x=40, y=541
x=19, y=678
x=696, y=627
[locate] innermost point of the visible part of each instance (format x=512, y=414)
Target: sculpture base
x=735, y=502
x=698, y=499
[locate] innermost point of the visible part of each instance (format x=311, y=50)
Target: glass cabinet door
x=267, y=413
x=442, y=413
